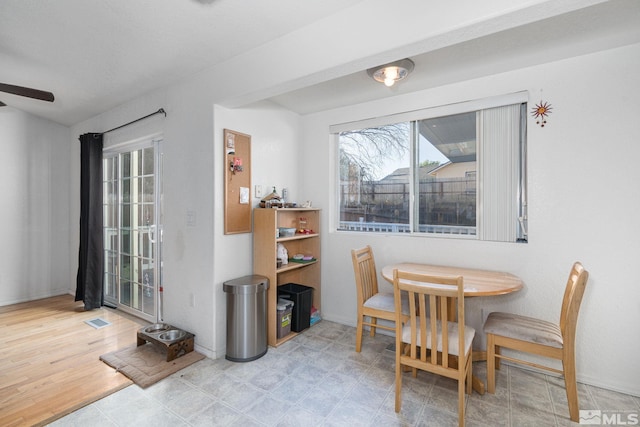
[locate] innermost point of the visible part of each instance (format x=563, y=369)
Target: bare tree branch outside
x=364, y=151
x=377, y=199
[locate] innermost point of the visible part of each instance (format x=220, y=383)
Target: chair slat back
x=364, y=267
x=571, y=301
x=433, y=301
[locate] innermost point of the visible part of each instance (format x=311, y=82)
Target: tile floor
x=317, y=379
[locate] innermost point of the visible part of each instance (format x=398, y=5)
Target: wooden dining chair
x=540, y=337
x=372, y=303
x=431, y=342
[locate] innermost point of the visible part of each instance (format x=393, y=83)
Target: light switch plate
x=258, y=191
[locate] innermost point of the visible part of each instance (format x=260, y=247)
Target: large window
x=460, y=174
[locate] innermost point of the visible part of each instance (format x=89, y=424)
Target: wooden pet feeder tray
x=176, y=342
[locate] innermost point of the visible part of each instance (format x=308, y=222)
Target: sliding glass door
x=133, y=228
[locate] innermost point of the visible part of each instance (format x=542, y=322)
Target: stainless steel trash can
x=246, y=318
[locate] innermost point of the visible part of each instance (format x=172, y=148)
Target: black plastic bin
x=302, y=297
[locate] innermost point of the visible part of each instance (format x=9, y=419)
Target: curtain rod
x=160, y=111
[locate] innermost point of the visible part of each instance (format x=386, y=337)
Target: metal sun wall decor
x=540, y=113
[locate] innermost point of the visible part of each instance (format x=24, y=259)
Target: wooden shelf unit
x=265, y=225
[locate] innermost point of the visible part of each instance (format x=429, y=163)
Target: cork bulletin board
x=237, y=182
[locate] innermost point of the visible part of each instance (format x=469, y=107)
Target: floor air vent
x=97, y=323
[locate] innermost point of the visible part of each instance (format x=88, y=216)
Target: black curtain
x=89, y=283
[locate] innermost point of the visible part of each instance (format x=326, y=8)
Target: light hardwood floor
x=49, y=358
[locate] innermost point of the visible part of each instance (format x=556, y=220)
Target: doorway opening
x=132, y=182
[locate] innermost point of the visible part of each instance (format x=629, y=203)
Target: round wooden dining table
x=477, y=283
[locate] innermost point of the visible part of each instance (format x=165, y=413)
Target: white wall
x=199, y=258
x=274, y=149
x=34, y=172
x=188, y=182
x=583, y=199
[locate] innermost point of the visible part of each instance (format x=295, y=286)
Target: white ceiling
x=96, y=55
x=581, y=31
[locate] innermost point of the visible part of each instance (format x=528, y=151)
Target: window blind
x=498, y=172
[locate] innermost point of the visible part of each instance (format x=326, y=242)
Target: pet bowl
x=172, y=335
x=157, y=327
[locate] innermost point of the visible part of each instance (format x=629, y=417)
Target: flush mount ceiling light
x=391, y=72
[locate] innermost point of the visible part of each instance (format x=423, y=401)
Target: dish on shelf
x=302, y=260
x=286, y=231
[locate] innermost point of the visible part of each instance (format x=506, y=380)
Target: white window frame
x=520, y=215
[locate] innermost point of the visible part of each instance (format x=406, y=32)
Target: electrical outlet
x=258, y=191
x=191, y=218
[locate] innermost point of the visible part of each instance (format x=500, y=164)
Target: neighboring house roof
x=439, y=168
x=402, y=174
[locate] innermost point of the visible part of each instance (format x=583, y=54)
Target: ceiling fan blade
x=26, y=91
